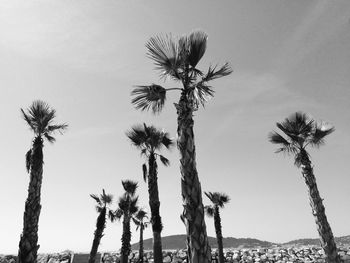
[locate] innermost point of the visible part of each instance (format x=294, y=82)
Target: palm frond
x=106, y=198
x=219, y=199
x=133, y=208
x=197, y=44
x=137, y=136
x=144, y=172
x=320, y=132
x=209, y=210
x=166, y=140
x=129, y=186
x=28, y=119
x=50, y=138
x=149, y=97
x=97, y=199
x=286, y=146
x=118, y=214
x=200, y=94
x=163, y=50
x=164, y=160
x=59, y=127
x=215, y=73
x=112, y=216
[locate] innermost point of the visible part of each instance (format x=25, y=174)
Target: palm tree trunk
x=318, y=210
x=193, y=214
x=126, y=237
x=141, y=244
x=100, y=226
x=154, y=206
x=217, y=224
x=28, y=245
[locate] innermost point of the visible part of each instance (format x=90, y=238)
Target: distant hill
x=179, y=242
x=345, y=240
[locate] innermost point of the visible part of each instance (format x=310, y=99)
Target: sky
x=83, y=57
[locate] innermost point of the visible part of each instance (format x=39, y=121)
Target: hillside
x=179, y=241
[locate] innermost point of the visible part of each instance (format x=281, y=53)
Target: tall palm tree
x=40, y=117
x=150, y=140
x=127, y=208
x=218, y=201
x=141, y=224
x=300, y=131
x=102, y=206
x=178, y=59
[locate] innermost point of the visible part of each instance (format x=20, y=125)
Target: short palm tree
x=300, y=131
x=141, y=224
x=127, y=208
x=150, y=140
x=102, y=206
x=40, y=117
x=178, y=59
x=218, y=201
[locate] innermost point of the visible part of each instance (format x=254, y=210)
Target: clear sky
x=83, y=57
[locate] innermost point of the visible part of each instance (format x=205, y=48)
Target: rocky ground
x=307, y=254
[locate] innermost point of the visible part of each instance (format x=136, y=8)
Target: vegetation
x=150, y=140
x=40, y=117
x=218, y=201
x=178, y=59
x=127, y=208
x=141, y=224
x=102, y=205
x=300, y=131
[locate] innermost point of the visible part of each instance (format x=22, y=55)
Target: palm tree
x=39, y=117
x=178, y=59
x=127, y=208
x=218, y=201
x=150, y=140
x=140, y=222
x=102, y=205
x=300, y=131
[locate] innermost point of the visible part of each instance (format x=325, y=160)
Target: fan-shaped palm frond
x=149, y=97
x=39, y=117
x=141, y=214
x=209, y=210
x=129, y=186
x=200, y=94
x=321, y=131
x=286, y=146
x=196, y=45
x=106, y=198
x=215, y=72
x=97, y=199
x=163, y=50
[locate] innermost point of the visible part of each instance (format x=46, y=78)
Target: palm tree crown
x=149, y=140
x=300, y=131
x=177, y=59
x=139, y=218
x=40, y=118
x=103, y=201
x=218, y=200
x=127, y=205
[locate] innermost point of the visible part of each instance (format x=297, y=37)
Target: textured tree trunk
x=318, y=210
x=100, y=226
x=141, y=244
x=28, y=244
x=154, y=204
x=193, y=213
x=217, y=224
x=126, y=237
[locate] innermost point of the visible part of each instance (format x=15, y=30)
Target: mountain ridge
x=174, y=242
